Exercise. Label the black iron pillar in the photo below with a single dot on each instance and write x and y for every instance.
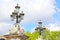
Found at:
(17, 9)
(17, 18)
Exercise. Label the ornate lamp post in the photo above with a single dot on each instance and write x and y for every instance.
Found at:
(16, 15)
(40, 28)
(16, 33)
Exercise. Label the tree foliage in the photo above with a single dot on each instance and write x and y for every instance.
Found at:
(32, 36)
(46, 35)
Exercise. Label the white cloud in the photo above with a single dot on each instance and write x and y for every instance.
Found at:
(34, 9)
(40, 9)
(58, 10)
(53, 27)
(4, 28)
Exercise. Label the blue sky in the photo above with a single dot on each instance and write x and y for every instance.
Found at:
(46, 10)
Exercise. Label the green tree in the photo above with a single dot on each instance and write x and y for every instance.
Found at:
(46, 35)
(32, 36)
